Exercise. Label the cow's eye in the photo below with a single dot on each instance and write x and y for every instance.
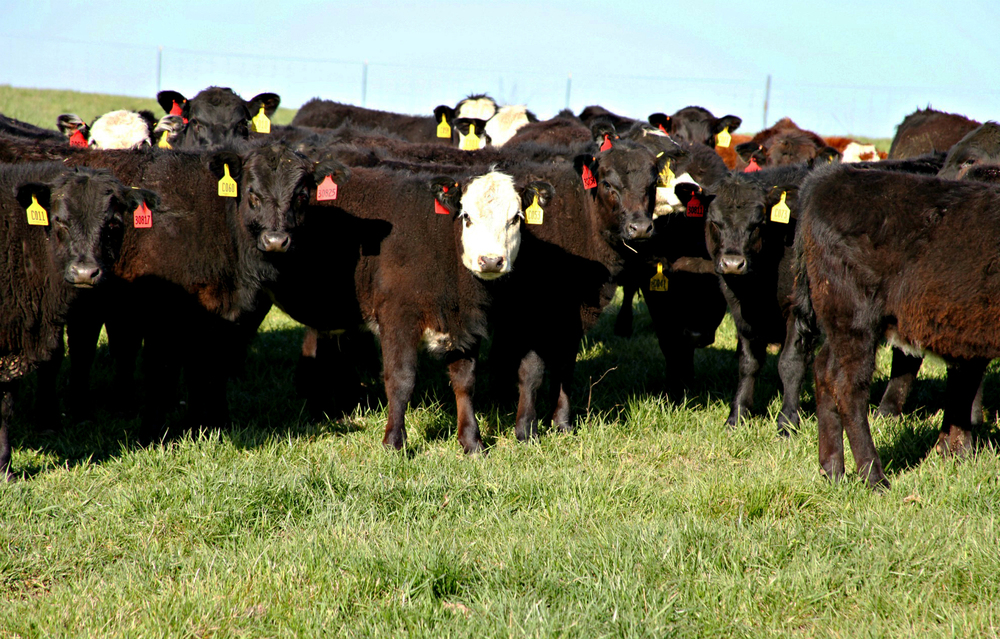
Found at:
(253, 200)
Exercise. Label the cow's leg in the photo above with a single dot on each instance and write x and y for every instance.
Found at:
(399, 359)
(6, 412)
(751, 358)
(829, 425)
(47, 418)
(792, 366)
(903, 374)
(82, 334)
(964, 382)
(124, 342)
(976, 419)
(529, 378)
(623, 323)
(562, 385)
(161, 367)
(462, 371)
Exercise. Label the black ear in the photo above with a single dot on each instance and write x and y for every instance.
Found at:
(542, 189)
(132, 198)
(791, 198)
(150, 120)
(445, 110)
(746, 150)
(662, 122)
(169, 124)
(826, 155)
(220, 159)
(269, 101)
(601, 128)
(447, 192)
(685, 191)
(730, 122)
(68, 123)
(167, 100)
(42, 193)
(337, 171)
(587, 161)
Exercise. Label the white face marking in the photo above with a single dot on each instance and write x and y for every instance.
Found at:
(666, 200)
(437, 343)
(491, 232)
(857, 152)
(502, 126)
(481, 144)
(119, 130)
(483, 109)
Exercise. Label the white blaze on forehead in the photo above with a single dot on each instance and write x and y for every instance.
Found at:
(119, 130)
(481, 108)
(666, 200)
(857, 152)
(491, 204)
(502, 126)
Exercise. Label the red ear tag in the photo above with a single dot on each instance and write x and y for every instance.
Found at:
(694, 207)
(607, 142)
(142, 218)
(77, 139)
(439, 208)
(662, 128)
(589, 181)
(175, 109)
(327, 190)
(753, 167)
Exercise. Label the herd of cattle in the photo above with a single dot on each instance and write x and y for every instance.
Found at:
(179, 234)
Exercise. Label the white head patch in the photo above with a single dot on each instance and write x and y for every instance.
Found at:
(491, 235)
(666, 200)
(502, 126)
(119, 130)
(467, 144)
(857, 152)
(483, 108)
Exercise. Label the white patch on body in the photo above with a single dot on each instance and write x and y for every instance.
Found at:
(482, 108)
(913, 350)
(857, 152)
(667, 201)
(438, 343)
(492, 206)
(502, 126)
(119, 130)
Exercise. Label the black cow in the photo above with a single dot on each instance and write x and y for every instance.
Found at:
(59, 229)
(215, 116)
(325, 114)
(928, 131)
(695, 124)
(23, 130)
(914, 267)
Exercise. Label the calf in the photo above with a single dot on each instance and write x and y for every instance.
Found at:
(60, 229)
(697, 124)
(216, 116)
(910, 268)
(115, 130)
(928, 131)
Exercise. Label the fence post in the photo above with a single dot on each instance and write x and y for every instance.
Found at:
(569, 84)
(767, 99)
(364, 83)
(159, 67)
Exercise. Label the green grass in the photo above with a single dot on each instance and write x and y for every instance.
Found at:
(41, 107)
(652, 520)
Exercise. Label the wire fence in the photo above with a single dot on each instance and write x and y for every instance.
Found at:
(143, 69)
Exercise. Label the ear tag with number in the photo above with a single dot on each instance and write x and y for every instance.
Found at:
(667, 176)
(694, 207)
(227, 185)
(534, 213)
(607, 142)
(444, 129)
(723, 139)
(438, 207)
(164, 143)
(261, 123)
(176, 108)
(753, 167)
(327, 190)
(658, 283)
(589, 181)
(471, 141)
(142, 217)
(37, 215)
(77, 139)
(780, 211)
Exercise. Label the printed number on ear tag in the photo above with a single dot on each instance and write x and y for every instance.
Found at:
(142, 217)
(37, 215)
(327, 190)
(658, 283)
(589, 181)
(780, 211)
(534, 213)
(667, 176)
(227, 185)
(261, 123)
(723, 138)
(444, 130)
(471, 141)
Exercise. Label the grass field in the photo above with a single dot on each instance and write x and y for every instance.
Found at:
(652, 520)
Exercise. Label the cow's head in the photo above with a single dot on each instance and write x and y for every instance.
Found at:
(979, 146)
(86, 210)
(216, 115)
(625, 189)
(479, 106)
(114, 130)
(470, 134)
(490, 209)
(696, 124)
(673, 160)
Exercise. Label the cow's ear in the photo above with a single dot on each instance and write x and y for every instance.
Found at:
(41, 192)
(220, 159)
(446, 111)
(686, 190)
(730, 122)
(602, 129)
(826, 155)
(168, 125)
(585, 161)
(746, 150)
(662, 122)
(447, 192)
(269, 101)
(791, 198)
(132, 198)
(543, 190)
(337, 171)
(70, 123)
(167, 100)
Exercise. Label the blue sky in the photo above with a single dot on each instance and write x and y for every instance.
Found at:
(839, 68)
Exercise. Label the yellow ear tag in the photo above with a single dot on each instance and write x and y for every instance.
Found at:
(723, 139)
(261, 123)
(658, 282)
(667, 176)
(227, 185)
(780, 211)
(37, 216)
(163, 144)
(444, 130)
(534, 213)
(471, 141)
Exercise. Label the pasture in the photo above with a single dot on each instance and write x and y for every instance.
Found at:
(651, 520)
